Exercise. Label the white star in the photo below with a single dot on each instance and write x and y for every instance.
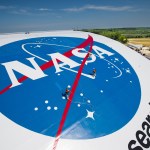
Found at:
(128, 71)
(116, 59)
(88, 101)
(48, 108)
(112, 66)
(79, 105)
(46, 101)
(63, 97)
(101, 91)
(69, 86)
(36, 108)
(55, 108)
(38, 46)
(81, 94)
(90, 114)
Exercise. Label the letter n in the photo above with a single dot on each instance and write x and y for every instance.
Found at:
(32, 73)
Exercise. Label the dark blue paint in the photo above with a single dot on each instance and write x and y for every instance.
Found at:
(114, 108)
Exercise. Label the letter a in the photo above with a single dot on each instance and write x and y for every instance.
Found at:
(101, 52)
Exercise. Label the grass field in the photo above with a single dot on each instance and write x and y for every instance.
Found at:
(143, 41)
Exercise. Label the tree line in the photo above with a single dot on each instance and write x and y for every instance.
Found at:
(122, 34)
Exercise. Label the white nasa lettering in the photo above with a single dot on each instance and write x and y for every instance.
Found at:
(31, 73)
(66, 60)
(36, 72)
(98, 49)
(77, 52)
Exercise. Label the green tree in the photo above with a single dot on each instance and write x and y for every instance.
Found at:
(123, 39)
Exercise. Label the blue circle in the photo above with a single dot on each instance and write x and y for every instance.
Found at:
(101, 105)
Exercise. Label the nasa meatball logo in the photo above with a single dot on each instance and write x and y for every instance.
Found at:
(81, 86)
